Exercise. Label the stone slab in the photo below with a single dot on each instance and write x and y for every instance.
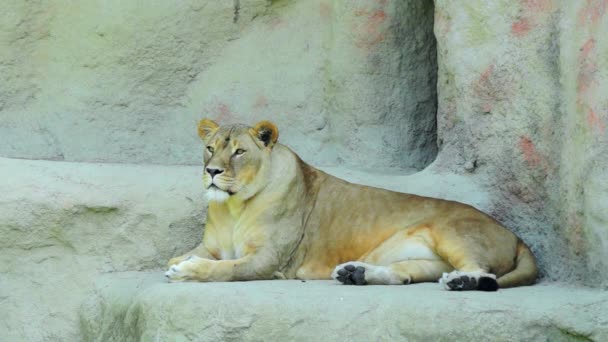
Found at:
(142, 306)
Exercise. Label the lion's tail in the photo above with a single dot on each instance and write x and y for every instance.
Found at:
(525, 271)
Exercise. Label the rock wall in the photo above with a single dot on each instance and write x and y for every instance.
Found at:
(348, 82)
(523, 108)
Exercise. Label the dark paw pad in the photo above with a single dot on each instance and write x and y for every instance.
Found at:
(463, 283)
(351, 275)
(487, 284)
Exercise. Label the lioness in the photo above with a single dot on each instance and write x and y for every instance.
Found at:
(271, 215)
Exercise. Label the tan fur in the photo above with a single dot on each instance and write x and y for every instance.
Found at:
(286, 218)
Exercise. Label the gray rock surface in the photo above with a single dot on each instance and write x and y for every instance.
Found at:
(523, 107)
(142, 307)
(521, 127)
(62, 224)
(348, 82)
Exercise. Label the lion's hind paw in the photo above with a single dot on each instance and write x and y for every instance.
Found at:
(350, 274)
(467, 281)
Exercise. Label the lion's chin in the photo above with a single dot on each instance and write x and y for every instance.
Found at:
(215, 194)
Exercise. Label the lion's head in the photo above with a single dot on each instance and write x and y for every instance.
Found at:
(236, 158)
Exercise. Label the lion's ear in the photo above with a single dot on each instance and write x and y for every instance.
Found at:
(266, 132)
(206, 127)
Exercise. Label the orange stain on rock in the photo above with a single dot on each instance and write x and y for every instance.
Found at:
(487, 107)
(373, 26)
(592, 12)
(482, 83)
(377, 17)
(586, 49)
(531, 10)
(371, 31)
(537, 5)
(531, 155)
(521, 27)
(586, 83)
(588, 69)
(325, 10)
(487, 90)
(224, 113)
(586, 77)
(485, 75)
(595, 121)
(260, 102)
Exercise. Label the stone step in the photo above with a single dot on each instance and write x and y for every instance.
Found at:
(142, 306)
(63, 223)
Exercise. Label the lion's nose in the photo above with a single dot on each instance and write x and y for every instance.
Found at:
(214, 172)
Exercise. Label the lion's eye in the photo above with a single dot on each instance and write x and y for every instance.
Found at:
(239, 152)
(210, 149)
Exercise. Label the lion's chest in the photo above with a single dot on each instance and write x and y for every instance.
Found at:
(227, 242)
(231, 233)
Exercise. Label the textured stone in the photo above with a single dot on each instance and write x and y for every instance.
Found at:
(348, 82)
(523, 92)
(142, 307)
(62, 224)
(522, 95)
(595, 224)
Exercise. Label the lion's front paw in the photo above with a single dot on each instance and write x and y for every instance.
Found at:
(177, 260)
(173, 261)
(182, 271)
(175, 274)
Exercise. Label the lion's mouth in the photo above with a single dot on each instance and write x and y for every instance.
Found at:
(213, 186)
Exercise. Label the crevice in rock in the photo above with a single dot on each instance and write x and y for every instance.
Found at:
(237, 9)
(413, 35)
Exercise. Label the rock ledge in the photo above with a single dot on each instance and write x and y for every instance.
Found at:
(142, 306)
